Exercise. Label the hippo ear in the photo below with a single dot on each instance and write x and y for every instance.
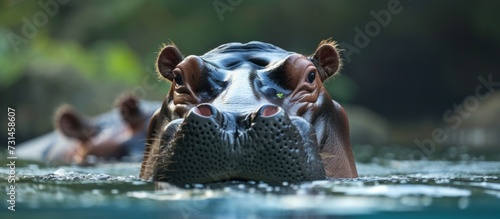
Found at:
(167, 61)
(72, 125)
(327, 59)
(128, 105)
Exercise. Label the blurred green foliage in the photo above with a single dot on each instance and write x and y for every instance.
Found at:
(113, 61)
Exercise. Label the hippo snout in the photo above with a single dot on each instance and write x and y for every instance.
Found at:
(265, 145)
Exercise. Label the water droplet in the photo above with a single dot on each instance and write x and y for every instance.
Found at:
(463, 202)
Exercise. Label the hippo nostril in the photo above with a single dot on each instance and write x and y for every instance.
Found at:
(268, 111)
(205, 110)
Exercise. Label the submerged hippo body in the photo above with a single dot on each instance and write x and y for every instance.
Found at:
(118, 133)
(248, 112)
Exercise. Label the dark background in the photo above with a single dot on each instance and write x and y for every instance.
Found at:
(425, 61)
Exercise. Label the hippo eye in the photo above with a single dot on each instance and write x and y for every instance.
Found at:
(178, 79)
(311, 77)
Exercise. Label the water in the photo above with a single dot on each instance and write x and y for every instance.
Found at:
(388, 189)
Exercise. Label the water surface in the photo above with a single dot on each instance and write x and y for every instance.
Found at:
(389, 189)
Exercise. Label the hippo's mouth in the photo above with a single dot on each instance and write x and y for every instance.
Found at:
(210, 146)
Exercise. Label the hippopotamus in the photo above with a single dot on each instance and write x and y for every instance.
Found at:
(250, 112)
(79, 139)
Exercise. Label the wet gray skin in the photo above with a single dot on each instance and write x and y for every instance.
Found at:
(248, 112)
(219, 146)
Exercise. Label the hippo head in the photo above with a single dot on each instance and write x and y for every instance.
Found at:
(110, 136)
(248, 112)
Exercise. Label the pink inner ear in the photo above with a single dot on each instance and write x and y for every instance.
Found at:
(65, 126)
(71, 125)
(167, 61)
(328, 59)
(129, 107)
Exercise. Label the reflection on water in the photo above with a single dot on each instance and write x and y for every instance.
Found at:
(392, 189)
